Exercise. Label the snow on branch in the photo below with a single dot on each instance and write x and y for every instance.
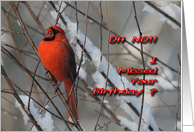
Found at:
(46, 122)
(171, 9)
(95, 58)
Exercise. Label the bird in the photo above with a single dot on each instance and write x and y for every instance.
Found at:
(58, 57)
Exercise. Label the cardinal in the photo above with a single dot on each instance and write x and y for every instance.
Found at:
(57, 56)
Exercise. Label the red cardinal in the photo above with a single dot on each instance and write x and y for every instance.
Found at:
(58, 57)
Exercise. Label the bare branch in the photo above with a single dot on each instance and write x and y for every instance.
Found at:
(141, 52)
(163, 13)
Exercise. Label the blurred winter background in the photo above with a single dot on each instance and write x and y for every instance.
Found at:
(163, 104)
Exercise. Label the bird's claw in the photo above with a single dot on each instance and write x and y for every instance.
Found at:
(46, 72)
(57, 87)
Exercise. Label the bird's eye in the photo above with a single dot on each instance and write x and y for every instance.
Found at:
(56, 31)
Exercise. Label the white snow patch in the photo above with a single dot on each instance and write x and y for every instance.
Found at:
(178, 126)
(171, 9)
(108, 106)
(18, 23)
(82, 73)
(46, 122)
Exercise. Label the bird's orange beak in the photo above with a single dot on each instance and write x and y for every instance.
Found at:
(49, 30)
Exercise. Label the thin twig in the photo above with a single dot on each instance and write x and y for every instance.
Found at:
(32, 86)
(8, 54)
(24, 23)
(178, 93)
(163, 13)
(57, 18)
(40, 11)
(35, 18)
(107, 66)
(14, 48)
(99, 12)
(44, 17)
(81, 59)
(76, 16)
(141, 52)
(11, 32)
(7, 28)
(17, 4)
(10, 102)
(101, 18)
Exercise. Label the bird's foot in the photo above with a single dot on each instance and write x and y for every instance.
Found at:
(47, 71)
(57, 87)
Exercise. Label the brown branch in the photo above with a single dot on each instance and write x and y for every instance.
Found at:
(8, 54)
(44, 17)
(12, 32)
(107, 66)
(76, 16)
(24, 28)
(34, 17)
(81, 59)
(20, 50)
(141, 52)
(40, 11)
(24, 23)
(57, 18)
(32, 86)
(10, 102)
(7, 28)
(163, 13)
(101, 18)
(60, 16)
(178, 93)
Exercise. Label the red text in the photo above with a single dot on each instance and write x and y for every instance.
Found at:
(117, 91)
(137, 71)
(144, 39)
(141, 81)
(116, 39)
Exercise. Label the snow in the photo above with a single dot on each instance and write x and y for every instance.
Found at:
(5, 112)
(108, 106)
(45, 6)
(45, 122)
(171, 9)
(127, 123)
(82, 73)
(178, 126)
(1, 61)
(18, 23)
(15, 117)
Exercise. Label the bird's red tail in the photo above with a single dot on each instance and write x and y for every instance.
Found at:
(72, 102)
